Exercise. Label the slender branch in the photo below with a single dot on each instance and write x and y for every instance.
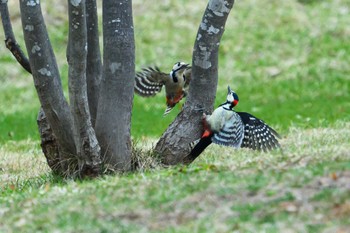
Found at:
(6, 21)
(94, 68)
(174, 143)
(46, 75)
(10, 40)
(85, 137)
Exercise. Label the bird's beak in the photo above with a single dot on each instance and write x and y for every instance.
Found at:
(229, 90)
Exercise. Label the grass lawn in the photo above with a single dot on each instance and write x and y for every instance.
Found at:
(289, 63)
(304, 189)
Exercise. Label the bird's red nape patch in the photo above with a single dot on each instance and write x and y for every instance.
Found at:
(235, 102)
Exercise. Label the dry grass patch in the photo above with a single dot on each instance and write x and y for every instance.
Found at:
(18, 165)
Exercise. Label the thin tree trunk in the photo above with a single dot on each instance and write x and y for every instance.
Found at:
(57, 161)
(117, 85)
(88, 149)
(46, 76)
(187, 127)
(94, 63)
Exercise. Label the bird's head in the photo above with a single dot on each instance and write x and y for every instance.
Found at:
(178, 69)
(232, 97)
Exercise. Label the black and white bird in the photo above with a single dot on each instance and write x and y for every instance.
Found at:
(236, 129)
(150, 81)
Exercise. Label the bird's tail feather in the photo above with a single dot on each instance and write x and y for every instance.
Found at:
(197, 147)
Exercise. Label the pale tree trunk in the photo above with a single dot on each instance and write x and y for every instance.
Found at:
(67, 132)
(68, 136)
(88, 149)
(58, 160)
(173, 146)
(116, 91)
(46, 77)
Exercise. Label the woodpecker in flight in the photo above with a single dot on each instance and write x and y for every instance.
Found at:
(236, 129)
(150, 81)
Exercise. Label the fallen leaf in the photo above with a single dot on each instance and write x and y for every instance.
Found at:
(334, 176)
(290, 207)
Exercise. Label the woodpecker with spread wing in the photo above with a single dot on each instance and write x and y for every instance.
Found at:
(236, 129)
(150, 81)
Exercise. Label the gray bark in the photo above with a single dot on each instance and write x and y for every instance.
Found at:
(10, 39)
(5, 19)
(94, 63)
(116, 91)
(46, 76)
(88, 149)
(173, 146)
(58, 162)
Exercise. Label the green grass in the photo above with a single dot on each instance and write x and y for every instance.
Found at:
(289, 63)
(304, 189)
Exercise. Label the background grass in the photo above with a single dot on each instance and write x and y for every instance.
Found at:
(289, 63)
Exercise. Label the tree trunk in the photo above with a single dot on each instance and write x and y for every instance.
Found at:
(94, 63)
(88, 149)
(173, 146)
(116, 91)
(50, 146)
(46, 76)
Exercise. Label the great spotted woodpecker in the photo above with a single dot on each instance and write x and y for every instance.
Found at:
(237, 129)
(150, 81)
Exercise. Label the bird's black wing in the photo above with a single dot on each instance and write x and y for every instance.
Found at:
(149, 81)
(257, 134)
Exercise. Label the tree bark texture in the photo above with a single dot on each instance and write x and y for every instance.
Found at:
(116, 91)
(94, 63)
(173, 146)
(88, 149)
(46, 76)
(10, 40)
(59, 163)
